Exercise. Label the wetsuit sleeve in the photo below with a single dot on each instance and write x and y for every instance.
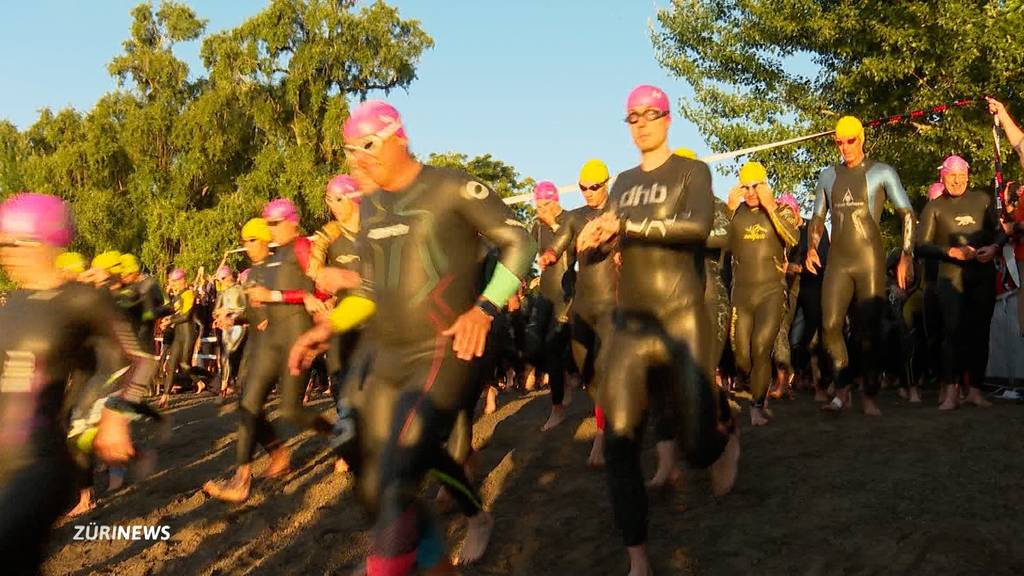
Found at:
(303, 253)
(106, 322)
(817, 225)
(182, 314)
(565, 236)
(785, 225)
(691, 221)
(718, 239)
(319, 246)
(926, 247)
(482, 208)
(901, 202)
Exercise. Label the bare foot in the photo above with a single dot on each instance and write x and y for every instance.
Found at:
(820, 395)
(557, 417)
(974, 396)
(235, 490)
(758, 416)
(639, 565)
(280, 462)
(443, 501)
(727, 467)
(164, 400)
(596, 458)
(915, 395)
(839, 402)
(902, 393)
(478, 535)
(84, 505)
(668, 473)
(871, 407)
(950, 398)
(531, 380)
(340, 466)
(491, 404)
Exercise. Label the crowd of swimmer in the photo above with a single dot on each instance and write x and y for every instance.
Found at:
(417, 298)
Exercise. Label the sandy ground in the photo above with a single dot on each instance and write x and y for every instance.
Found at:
(914, 492)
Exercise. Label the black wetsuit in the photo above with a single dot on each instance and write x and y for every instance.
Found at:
(593, 290)
(142, 302)
(716, 294)
(964, 290)
(179, 356)
(808, 305)
(284, 271)
(419, 249)
(661, 337)
(758, 243)
(856, 272)
(551, 314)
(41, 345)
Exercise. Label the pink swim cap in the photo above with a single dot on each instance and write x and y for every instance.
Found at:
(176, 274)
(373, 117)
(935, 190)
(243, 276)
(545, 190)
(789, 200)
(954, 165)
(37, 217)
(280, 209)
(223, 272)
(344, 186)
(645, 96)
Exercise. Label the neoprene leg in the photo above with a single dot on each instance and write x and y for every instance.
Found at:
(836, 295)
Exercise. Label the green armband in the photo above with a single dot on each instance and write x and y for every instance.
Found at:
(351, 312)
(503, 285)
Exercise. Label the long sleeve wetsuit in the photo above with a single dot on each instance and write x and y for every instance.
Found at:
(551, 315)
(284, 271)
(716, 295)
(661, 336)
(419, 249)
(41, 345)
(809, 305)
(964, 290)
(180, 353)
(856, 272)
(758, 242)
(593, 290)
(142, 302)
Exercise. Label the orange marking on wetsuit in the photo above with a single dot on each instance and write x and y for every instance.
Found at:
(435, 296)
(440, 344)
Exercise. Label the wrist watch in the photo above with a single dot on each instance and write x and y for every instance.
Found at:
(488, 307)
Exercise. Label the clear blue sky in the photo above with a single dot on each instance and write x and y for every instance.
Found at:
(540, 84)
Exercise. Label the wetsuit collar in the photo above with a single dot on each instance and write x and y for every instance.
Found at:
(405, 176)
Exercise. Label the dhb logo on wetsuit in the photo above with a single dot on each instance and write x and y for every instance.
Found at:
(641, 195)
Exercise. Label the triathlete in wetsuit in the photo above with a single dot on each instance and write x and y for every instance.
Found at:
(962, 232)
(286, 295)
(229, 305)
(594, 288)
(141, 299)
(180, 353)
(661, 212)
(855, 192)
(46, 322)
(420, 237)
(334, 266)
(760, 233)
(553, 307)
(256, 241)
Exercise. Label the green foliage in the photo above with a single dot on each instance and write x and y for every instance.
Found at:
(869, 58)
(170, 168)
(501, 177)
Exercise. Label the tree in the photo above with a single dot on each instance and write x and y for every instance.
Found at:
(169, 167)
(870, 59)
(501, 177)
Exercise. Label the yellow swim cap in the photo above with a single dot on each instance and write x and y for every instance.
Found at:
(849, 127)
(256, 229)
(686, 153)
(71, 262)
(752, 173)
(594, 172)
(109, 261)
(129, 264)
